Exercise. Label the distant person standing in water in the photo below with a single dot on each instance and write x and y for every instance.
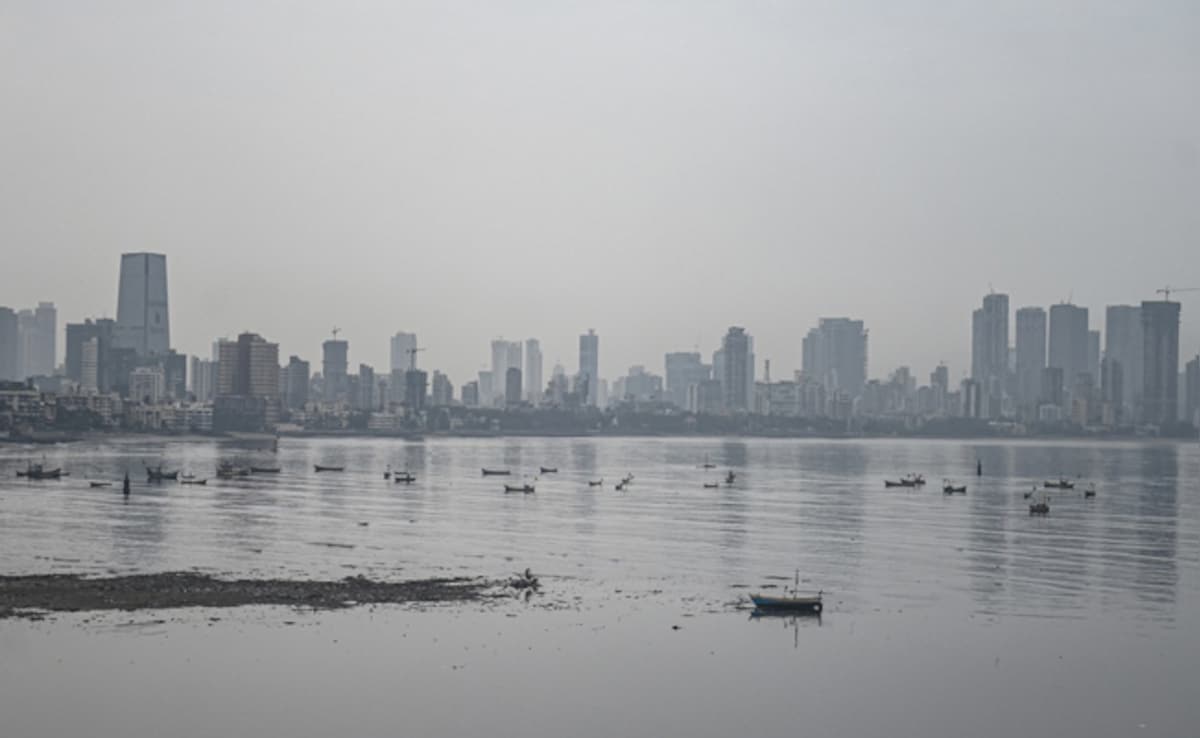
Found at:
(979, 467)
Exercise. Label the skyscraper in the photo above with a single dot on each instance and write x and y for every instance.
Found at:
(533, 371)
(501, 355)
(835, 354)
(334, 369)
(1160, 367)
(737, 381)
(1031, 358)
(512, 386)
(1192, 390)
(1093, 357)
(1068, 348)
(404, 346)
(247, 397)
(989, 350)
(203, 378)
(683, 369)
(38, 353)
(1123, 345)
(9, 343)
(589, 364)
(295, 388)
(142, 314)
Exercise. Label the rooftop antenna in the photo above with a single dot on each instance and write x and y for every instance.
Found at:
(336, 331)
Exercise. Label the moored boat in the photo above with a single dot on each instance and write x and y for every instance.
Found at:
(99, 484)
(1062, 483)
(322, 468)
(526, 488)
(950, 488)
(596, 482)
(264, 470)
(1039, 508)
(887, 483)
(767, 603)
(156, 474)
(495, 472)
(548, 469)
(38, 471)
(194, 481)
(403, 477)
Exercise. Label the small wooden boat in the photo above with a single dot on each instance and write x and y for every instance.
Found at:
(1060, 484)
(730, 477)
(620, 486)
(194, 481)
(712, 485)
(916, 480)
(320, 468)
(549, 469)
(99, 484)
(156, 474)
(403, 477)
(264, 470)
(951, 489)
(496, 472)
(37, 471)
(596, 482)
(1090, 491)
(1029, 494)
(811, 604)
(627, 479)
(1039, 508)
(526, 488)
(708, 464)
(793, 604)
(888, 484)
(227, 470)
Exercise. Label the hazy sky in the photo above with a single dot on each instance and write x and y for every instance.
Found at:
(656, 171)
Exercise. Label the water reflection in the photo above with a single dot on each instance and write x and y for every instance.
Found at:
(819, 506)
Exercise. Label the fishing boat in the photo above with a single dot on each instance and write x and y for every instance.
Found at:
(712, 485)
(1060, 484)
(156, 474)
(99, 484)
(403, 477)
(627, 479)
(707, 464)
(916, 480)
(1039, 508)
(194, 481)
(227, 470)
(1090, 491)
(888, 484)
(264, 470)
(526, 488)
(549, 469)
(320, 468)
(496, 472)
(788, 604)
(794, 603)
(950, 488)
(38, 471)
(730, 477)
(596, 482)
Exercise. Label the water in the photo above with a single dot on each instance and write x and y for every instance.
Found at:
(945, 616)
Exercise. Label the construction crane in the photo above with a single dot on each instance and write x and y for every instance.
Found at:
(1166, 291)
(412, 357)
(336, 331)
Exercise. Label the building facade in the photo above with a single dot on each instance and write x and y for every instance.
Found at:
(1160, 366)
(143, 319)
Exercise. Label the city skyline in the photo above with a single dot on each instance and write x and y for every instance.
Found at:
(1120, 338)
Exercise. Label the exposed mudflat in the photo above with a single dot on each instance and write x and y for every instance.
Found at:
(28, 596)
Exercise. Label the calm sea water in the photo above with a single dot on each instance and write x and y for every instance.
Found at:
(946, 616)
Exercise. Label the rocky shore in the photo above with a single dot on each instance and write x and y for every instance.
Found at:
(33, 595)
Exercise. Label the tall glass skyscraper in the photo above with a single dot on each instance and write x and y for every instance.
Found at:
(142, 317)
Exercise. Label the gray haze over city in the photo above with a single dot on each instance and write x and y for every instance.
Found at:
(658, 173)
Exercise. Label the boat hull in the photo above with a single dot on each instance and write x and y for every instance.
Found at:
(787, 604)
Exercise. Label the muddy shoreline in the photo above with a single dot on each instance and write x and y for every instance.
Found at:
(36, 595)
